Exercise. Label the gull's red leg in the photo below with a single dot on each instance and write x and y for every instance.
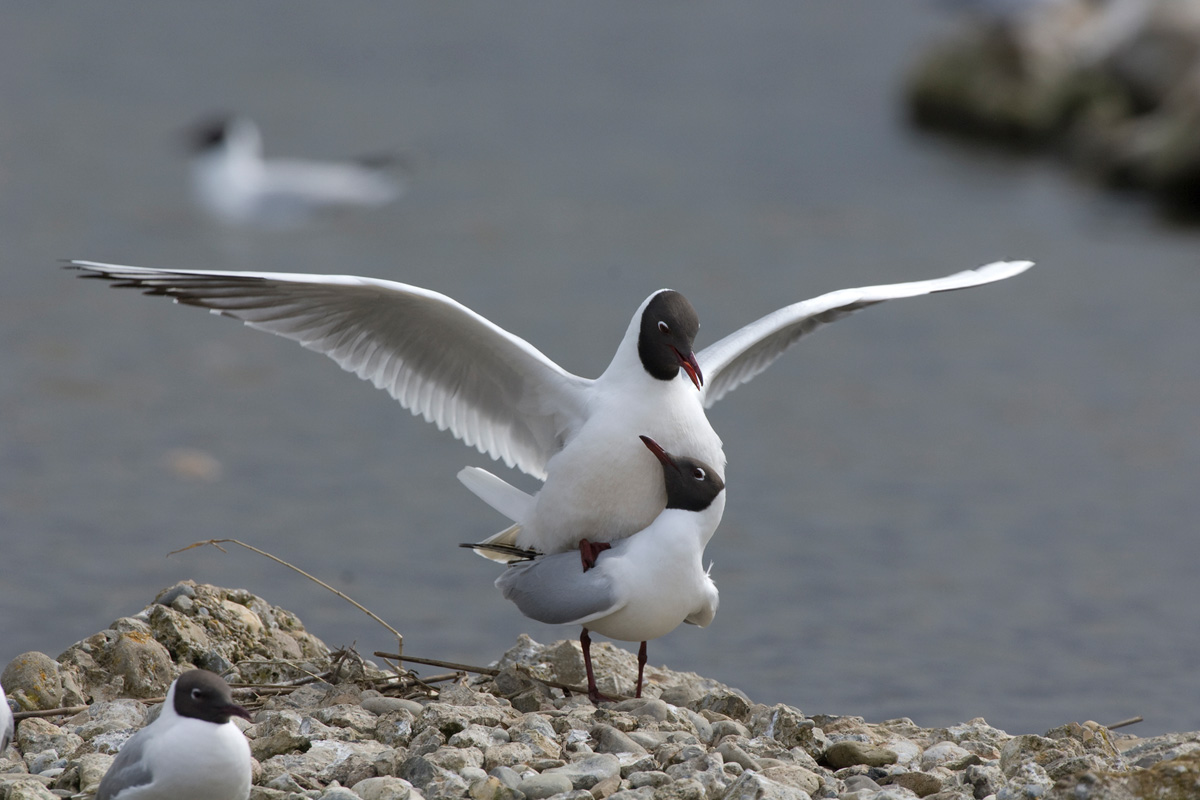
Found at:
(641, 668)
(593, 692)
(588, 551)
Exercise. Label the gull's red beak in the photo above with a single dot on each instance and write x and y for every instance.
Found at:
(659, 453)
(691, 366)
(235, 710)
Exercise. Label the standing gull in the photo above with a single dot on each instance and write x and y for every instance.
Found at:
(498, 393)
(646, 584)
(191, 752)
(234, 183)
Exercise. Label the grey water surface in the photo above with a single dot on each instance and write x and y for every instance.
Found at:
(977, 504)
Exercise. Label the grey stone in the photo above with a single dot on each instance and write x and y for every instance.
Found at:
(338, 793)
(586, 772)
(395, 729)
(506, 775)
(984, 779)
(29, 790)
(509, 754)
(919, 783)
(478, 736)
(354, 717)
(848, 753)
(426, 741)
(267, 793)
(683, 789)
(860, 783)
(114, 715)
(142, 663)
(91, 768)
(648, 778)
(651, 707)
(384, 787)
(36, 735)
(168, 596)
(536, 787)
(651, 740)
(418, 771)
(736, 755)
(728, 727)
(277, 733)
(943, 753)
(455, 759)
(631, 763)
(381, 705)
(726, 702)
(610, 740)
(492, 788)
(753, 786)
(640, 793)
(33, 681)
(680, 695)
(791, 729)
(540, 744)
(705, 769)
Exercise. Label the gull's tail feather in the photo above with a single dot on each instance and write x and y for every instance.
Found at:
(497, 493)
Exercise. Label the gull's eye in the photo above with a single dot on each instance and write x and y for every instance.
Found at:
(197, 694)
(699, 474)
(664, 328)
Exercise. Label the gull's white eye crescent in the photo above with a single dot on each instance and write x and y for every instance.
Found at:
(197, 694)
(699, 474)
(664, 328)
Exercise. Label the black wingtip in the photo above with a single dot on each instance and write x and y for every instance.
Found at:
(520, 553)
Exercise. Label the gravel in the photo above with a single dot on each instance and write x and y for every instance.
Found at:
(362, 733)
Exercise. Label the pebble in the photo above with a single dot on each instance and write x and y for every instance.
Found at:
(547, 784)
(689, 738)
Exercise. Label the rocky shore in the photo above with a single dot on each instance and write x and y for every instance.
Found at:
(1112, 85)
(333, 725)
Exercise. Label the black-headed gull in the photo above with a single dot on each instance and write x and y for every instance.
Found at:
(498, 393)
(191, 752)
(234, 183)
(7, 726)
(641, 587)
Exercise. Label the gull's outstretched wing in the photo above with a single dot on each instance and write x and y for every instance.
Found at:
(490, 388)
(741, 355)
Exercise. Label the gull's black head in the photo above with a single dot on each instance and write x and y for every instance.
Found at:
(201, 694)
(692, 485)
(669, 325)
(209, 134)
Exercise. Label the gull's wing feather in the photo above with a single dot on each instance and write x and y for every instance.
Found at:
(740, 356)
(130, 769)
(441, 360)
(554, 589)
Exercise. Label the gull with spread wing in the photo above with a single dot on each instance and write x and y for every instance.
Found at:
(500, 394)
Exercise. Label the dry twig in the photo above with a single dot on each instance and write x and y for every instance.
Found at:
(433, 662)
(218, 542)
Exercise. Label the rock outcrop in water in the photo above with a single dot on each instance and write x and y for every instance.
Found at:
(1114, 85)
(331, 725)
